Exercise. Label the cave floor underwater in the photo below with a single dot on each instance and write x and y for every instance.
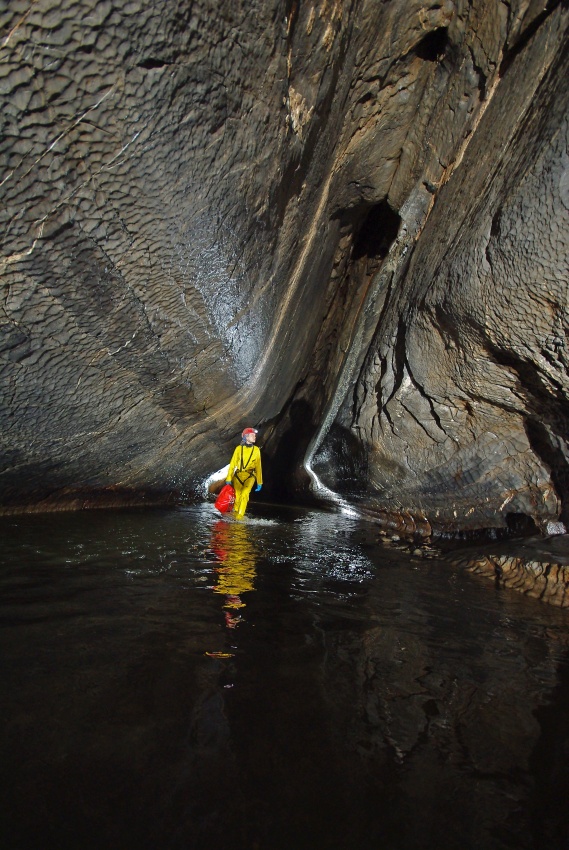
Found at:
(173, 680)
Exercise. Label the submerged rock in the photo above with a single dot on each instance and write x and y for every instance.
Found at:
(538, 568)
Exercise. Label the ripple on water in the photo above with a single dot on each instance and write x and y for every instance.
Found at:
(174, 680)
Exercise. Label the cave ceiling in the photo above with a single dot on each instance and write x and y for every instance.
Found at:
(342, 222)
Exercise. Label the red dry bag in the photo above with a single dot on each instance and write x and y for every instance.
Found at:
(226, 499)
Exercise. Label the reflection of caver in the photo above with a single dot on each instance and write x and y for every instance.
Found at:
(245, 470)
(236, 573)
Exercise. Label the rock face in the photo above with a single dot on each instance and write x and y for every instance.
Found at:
(343, 222)
(464, 390)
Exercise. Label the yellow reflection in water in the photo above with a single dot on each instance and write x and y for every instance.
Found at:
(232, 545)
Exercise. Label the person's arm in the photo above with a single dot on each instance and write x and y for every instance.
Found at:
(259, 472)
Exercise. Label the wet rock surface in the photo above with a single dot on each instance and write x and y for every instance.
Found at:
(462, 397)
(320, 218)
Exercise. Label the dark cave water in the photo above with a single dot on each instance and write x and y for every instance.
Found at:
(173, 680)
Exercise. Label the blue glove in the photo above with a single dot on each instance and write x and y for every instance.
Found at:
(258, 487)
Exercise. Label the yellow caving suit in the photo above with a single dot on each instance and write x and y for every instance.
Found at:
(244, 470)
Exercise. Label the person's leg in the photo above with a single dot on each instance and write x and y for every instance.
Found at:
(238, 487)
(245, 492)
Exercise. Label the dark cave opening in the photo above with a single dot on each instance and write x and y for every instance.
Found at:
(433, 46)
(521, 525)
(376, 233)
(284, 466)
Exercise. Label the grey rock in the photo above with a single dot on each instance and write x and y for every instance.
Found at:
(345, 224)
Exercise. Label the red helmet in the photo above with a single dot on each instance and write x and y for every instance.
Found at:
(249, 431)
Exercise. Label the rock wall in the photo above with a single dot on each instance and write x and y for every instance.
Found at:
(153, 236)
(462, 399)
(290, 215)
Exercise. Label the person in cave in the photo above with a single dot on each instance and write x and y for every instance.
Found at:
(245, 471)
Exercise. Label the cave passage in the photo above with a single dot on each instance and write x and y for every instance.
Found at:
(174, 680)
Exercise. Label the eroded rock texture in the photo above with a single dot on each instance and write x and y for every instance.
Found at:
(296, 215)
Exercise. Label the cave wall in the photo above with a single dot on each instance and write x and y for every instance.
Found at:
(462, 400)
(225, 214)
(150, 154)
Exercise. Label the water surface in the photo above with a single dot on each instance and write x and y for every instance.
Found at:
(173, 680)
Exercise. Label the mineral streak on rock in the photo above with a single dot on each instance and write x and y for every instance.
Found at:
(287, 214)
